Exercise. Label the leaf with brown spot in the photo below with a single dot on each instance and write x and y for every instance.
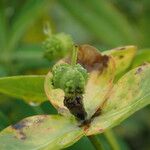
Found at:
(123, 57)
(90, 58)
(101, 74)
(131, 93)
(41, 132)
(98, 87)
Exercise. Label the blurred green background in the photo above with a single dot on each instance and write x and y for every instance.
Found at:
(103, 23)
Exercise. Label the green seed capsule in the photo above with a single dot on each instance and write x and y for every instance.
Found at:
(57, 46)
(71, 79)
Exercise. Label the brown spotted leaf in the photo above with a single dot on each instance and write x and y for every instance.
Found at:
(91, 59)
(123, 57)
(131, 93)
(43, 132)
(101, 70)
(97, 88)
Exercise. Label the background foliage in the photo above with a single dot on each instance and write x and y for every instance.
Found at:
(105, 24)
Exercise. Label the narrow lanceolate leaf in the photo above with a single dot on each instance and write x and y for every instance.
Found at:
(2, 26)
(29, 88)
(98, 26)
(26, 16)
(43, 132)
(131, 93)
(123, 57)
(108, 11)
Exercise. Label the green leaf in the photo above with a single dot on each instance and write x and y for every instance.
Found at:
(3, 26)
(130, 94)
(43, 132)
(29, 88)
(28, 14)
(141, 57)
(25, 54)
(98, 26)
(3, 120)
(82, 144)
(123, 57)
(106, 10)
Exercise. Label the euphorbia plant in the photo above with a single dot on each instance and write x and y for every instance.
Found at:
(85, 89)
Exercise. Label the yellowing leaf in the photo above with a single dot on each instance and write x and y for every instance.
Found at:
(131, 93)
(41, 132)
(101, 74)
(123, 57)
(97, 88)
(56, 96)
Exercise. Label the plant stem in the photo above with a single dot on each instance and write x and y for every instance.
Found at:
(112, 139)
(74, 55)
(95, 141)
